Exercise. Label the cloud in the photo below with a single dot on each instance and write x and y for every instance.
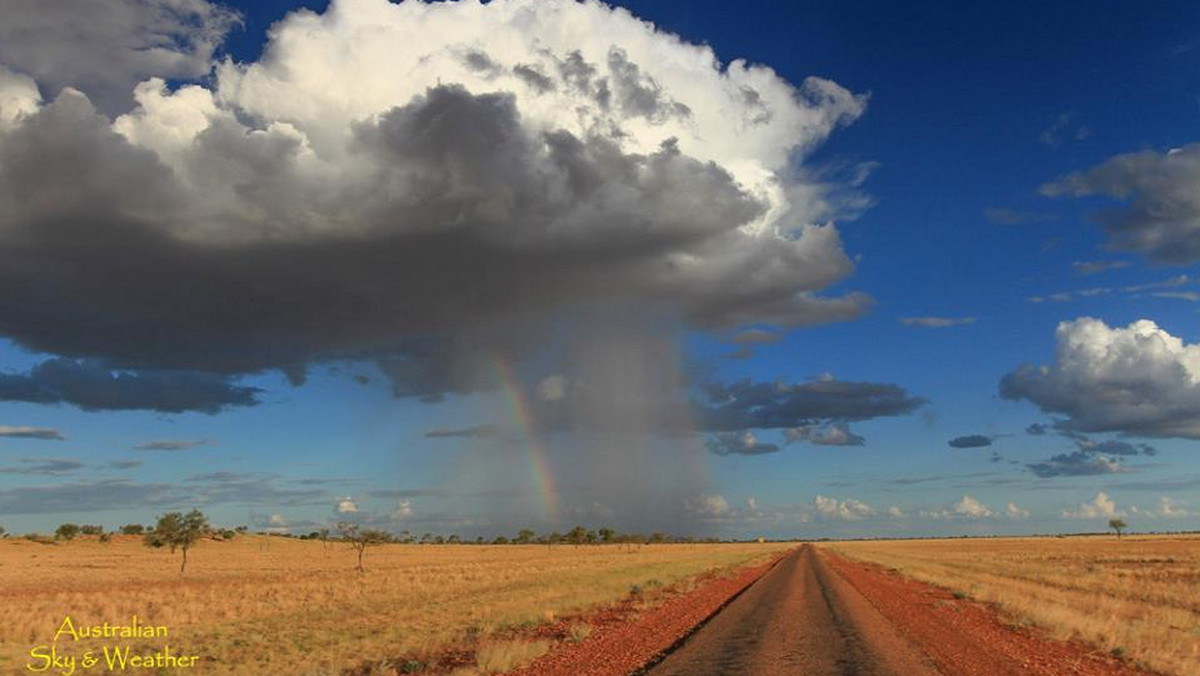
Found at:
(1114, 447)
(1002, 216)
(739, 443)
(87, 496)
(965, 508)
(125, 464)
(1037, 429)
(345, 505)
(842, 510)
(93, 387)
(970, 441)
(403, 510)
(1012, 511)
(1096, 267)
(816, 411)
(707, 506)
(22, 432)
(1160, 194)
(477, 431)
(1078, 463)
(1168, 508)
(895, 512)
(1178, 484)
(834, 434)
(936, 322)
(1067, 296)
(1065, 128)
(1191, 296)
(1101, 507)
(745, 404)
(104, 47)
(113, 494)
(1178, 280)
(49, 466)
(168, 445)
(417, 217)
(1138, 380)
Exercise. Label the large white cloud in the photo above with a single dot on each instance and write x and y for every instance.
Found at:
(1161, 192)
(1139, 380)
(415, 181)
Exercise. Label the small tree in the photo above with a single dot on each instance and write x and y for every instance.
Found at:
(1117, 525)
(607, 535)
(525, 536)
(91, 529)
(133, 529)
(577, 535)
(177, 530)
(67, 531)
(3, 533)
(359, 540)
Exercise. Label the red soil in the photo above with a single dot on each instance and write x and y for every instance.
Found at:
(967, 637)
(623, 641)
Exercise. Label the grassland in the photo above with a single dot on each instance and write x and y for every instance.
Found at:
(263, 605)
(1138, 596)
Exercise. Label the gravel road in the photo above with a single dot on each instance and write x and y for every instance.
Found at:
(801, 618)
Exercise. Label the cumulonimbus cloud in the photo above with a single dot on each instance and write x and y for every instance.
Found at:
(323, 203)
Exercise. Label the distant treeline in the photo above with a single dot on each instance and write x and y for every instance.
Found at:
(579, 535)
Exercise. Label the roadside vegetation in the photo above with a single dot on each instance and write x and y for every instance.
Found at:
(1137, 597)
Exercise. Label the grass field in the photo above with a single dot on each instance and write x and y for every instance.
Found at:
(1138, 597)
(264, 605)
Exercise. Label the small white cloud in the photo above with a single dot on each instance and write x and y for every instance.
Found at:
(895, 512)
(845, 510)
(965, 508)
(1100, 507)
(277, 520)
(1012, 511)
(552, 388)
(1168, 508)
(707, 506)
(403, 510)
(346, 506)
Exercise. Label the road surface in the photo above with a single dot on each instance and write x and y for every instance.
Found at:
(800, 618)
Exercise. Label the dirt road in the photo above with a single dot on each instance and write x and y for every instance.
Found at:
(801, 618)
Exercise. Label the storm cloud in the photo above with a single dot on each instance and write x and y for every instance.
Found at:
(92, 387)
(320, 205)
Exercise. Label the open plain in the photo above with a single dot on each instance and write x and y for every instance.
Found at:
(269, 605)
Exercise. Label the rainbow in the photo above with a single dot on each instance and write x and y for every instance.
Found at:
(539, 465)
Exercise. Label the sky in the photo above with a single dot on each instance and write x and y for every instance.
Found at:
(783, 269)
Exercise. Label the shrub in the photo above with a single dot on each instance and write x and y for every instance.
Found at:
(67, 531)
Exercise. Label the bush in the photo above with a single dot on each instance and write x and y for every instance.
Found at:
(91, 529)
(67, 531)
(133, 529)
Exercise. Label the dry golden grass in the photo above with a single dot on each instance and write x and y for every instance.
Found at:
(1139, 596)
(262, 605)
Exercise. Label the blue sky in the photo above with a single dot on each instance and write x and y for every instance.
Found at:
(1011, 185)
